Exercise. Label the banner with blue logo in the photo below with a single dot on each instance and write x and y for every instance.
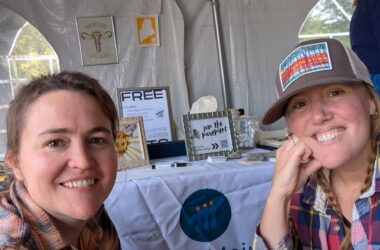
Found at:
(214, 209)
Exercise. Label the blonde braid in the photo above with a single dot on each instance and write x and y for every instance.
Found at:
(326, 188)
(370, 170)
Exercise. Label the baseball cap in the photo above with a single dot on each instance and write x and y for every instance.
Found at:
(313, 63)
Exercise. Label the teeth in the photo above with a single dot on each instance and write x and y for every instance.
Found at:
(331, 135)
(79, 184)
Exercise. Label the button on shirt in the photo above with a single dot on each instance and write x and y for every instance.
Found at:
(314, 224)
(24, 225)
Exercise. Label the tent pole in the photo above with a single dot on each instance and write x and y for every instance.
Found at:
(221, 56)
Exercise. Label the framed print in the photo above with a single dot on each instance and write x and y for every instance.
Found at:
(97, 40)
(153, 104)
(130, 143)
(209, 134)
(147, 29)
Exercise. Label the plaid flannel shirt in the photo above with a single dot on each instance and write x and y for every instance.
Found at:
(24, 225)
(314, 225)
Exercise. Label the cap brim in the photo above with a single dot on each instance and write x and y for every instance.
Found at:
(277, 109)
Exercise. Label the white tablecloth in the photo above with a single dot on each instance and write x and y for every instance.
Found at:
(203, 206)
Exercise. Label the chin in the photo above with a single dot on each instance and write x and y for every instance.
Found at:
(82, 216)
(84, 213)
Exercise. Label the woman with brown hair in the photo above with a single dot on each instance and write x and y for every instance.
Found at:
(325, 191)
(61, 131)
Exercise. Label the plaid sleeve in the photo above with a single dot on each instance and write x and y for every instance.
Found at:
(289, 242)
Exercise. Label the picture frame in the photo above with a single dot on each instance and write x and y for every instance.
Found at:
(97, 40)
(130, 143)
(147, 30)
(153, 104)
(209, 134)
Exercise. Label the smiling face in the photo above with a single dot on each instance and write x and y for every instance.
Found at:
(334, 121)
(67, 159)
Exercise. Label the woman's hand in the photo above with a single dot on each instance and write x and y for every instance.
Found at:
(294, 165)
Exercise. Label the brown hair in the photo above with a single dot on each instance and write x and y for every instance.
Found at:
(325, 184)
(66, 80)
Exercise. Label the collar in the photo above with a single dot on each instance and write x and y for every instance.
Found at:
(40, 221)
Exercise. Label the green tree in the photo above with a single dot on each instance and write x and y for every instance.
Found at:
(327, 17)
(31, 42)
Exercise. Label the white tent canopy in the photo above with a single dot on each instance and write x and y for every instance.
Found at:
(256, 34)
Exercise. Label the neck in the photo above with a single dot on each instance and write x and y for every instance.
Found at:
(347, 187)
(70, 231)
(352, 178)
(353, 173)
(355, 168)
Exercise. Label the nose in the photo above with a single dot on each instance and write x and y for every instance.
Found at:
(320, 112)
(80, 156)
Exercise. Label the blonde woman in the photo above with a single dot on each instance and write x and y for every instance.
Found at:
(326, 189)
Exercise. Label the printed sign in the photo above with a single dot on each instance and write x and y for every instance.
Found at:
(147, 30)
(154, 106)
(97, 40)
(209, 134)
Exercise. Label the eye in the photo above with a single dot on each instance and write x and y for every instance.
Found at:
(335, 92)
(97, 141)
(297, 104)
(55, 143)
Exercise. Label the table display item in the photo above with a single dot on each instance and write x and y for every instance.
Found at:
(131, 147)
(208, 134)
(245, 128)
(153, 104)
(6, 176)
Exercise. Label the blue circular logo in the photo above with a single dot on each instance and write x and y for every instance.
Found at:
(205, 215)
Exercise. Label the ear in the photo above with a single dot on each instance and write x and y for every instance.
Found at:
(372, 107)
(12, 161)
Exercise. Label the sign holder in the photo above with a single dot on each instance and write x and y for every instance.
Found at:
(153, 104)
(209, 134)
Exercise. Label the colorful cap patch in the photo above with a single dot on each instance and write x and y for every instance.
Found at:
(304, 60)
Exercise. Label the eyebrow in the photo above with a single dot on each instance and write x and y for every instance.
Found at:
(67, 131)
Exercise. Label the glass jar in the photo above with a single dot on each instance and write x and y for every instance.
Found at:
(245, 130)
